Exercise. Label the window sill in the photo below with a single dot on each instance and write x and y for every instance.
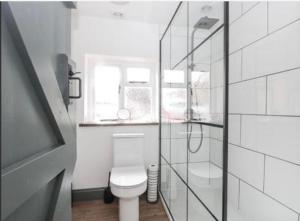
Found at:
(117, 124)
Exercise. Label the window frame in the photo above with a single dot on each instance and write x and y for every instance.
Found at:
(93, 60)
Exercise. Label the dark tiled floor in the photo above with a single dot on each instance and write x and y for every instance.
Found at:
(97, 210)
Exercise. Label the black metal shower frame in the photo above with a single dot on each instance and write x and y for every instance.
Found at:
(225, 25)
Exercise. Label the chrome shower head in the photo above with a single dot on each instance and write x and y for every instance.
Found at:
(205, 23)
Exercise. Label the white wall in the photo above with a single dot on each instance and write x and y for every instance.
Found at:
(264, 122)
(92, 35)
(94, 152)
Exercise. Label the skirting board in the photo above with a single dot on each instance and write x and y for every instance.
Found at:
(88, 194)
(165, 207)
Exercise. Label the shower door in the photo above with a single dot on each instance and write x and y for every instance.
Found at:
(193, 112)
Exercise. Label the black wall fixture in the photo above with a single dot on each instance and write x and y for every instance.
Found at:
(66, 69)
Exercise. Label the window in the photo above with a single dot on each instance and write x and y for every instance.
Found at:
(174, 76)
(174, 96)
(115, 84)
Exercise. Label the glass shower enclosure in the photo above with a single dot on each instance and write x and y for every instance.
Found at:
(193, 112)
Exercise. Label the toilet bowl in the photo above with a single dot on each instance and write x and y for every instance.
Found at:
(128, 183)
(128, 178)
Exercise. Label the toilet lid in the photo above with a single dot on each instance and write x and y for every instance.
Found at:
(128, 176)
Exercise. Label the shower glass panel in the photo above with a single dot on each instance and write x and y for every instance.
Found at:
(192, 113)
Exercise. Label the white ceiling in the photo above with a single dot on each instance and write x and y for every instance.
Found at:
(143, 11)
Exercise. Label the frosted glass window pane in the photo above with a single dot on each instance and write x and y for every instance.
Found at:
(107, 80)
(138, 102)
(138, 75)
(200, 79)
(174, 76)
(174, 103)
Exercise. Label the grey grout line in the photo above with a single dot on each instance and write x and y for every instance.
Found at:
(239, 193)
(265, 36)
(271, 156)
(249, 9)
(242, 52)
(264, 173)
(243, 13)
(267, 18)
(266, 105)
(240, 129)
(265, 194)
(292, 22)
(266, 75)
(263, 154)
(264, 115)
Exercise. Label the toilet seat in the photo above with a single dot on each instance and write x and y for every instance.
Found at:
(128, 181)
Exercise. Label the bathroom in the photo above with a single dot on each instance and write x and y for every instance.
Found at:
(150, 110)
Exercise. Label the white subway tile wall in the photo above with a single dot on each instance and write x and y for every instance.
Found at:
(280, 177)
(283, 93)
(257, 206)
(248, 97)
(234, 129)
(235, 11)
(240, 35)
(277, 136)
(282, 13)
(264, 105)
(216, 152)
(247, 165)
(247, 5)
(235, 66)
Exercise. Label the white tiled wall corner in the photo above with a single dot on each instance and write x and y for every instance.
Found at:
(283, 93)
(165, 130)
(202, 154)
(165, 149)
(216, 152)
(216, 133)
(247, 165)
(273, 135)
(248, 28)
(277, 52)
(179, 130)
(282, 181)
(248, 97)
(282, 13)
(178, 151)
(235, 10)
(247, 5)
(235, 67)
(258, 207)
(216, 100)
(234, 129)
(217, 74)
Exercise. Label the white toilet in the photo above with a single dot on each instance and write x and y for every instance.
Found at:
(128, 178)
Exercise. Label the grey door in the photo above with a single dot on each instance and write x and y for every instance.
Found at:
(37, 135)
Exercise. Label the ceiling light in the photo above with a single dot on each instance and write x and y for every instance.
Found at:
(118, 14)
(206, 8)
(120, 2)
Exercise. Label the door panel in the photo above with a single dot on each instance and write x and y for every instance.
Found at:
(38, 137)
